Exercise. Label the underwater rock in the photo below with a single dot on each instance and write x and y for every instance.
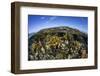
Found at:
(58, 43)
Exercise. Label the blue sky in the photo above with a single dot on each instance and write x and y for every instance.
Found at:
(38, 22)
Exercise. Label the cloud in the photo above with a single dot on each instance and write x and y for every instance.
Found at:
(51, 19)
(42, 18)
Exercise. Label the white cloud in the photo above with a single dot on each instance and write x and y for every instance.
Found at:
(42, 18)
(51, 19)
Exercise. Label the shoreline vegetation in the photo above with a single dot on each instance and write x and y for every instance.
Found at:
(58, 43)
